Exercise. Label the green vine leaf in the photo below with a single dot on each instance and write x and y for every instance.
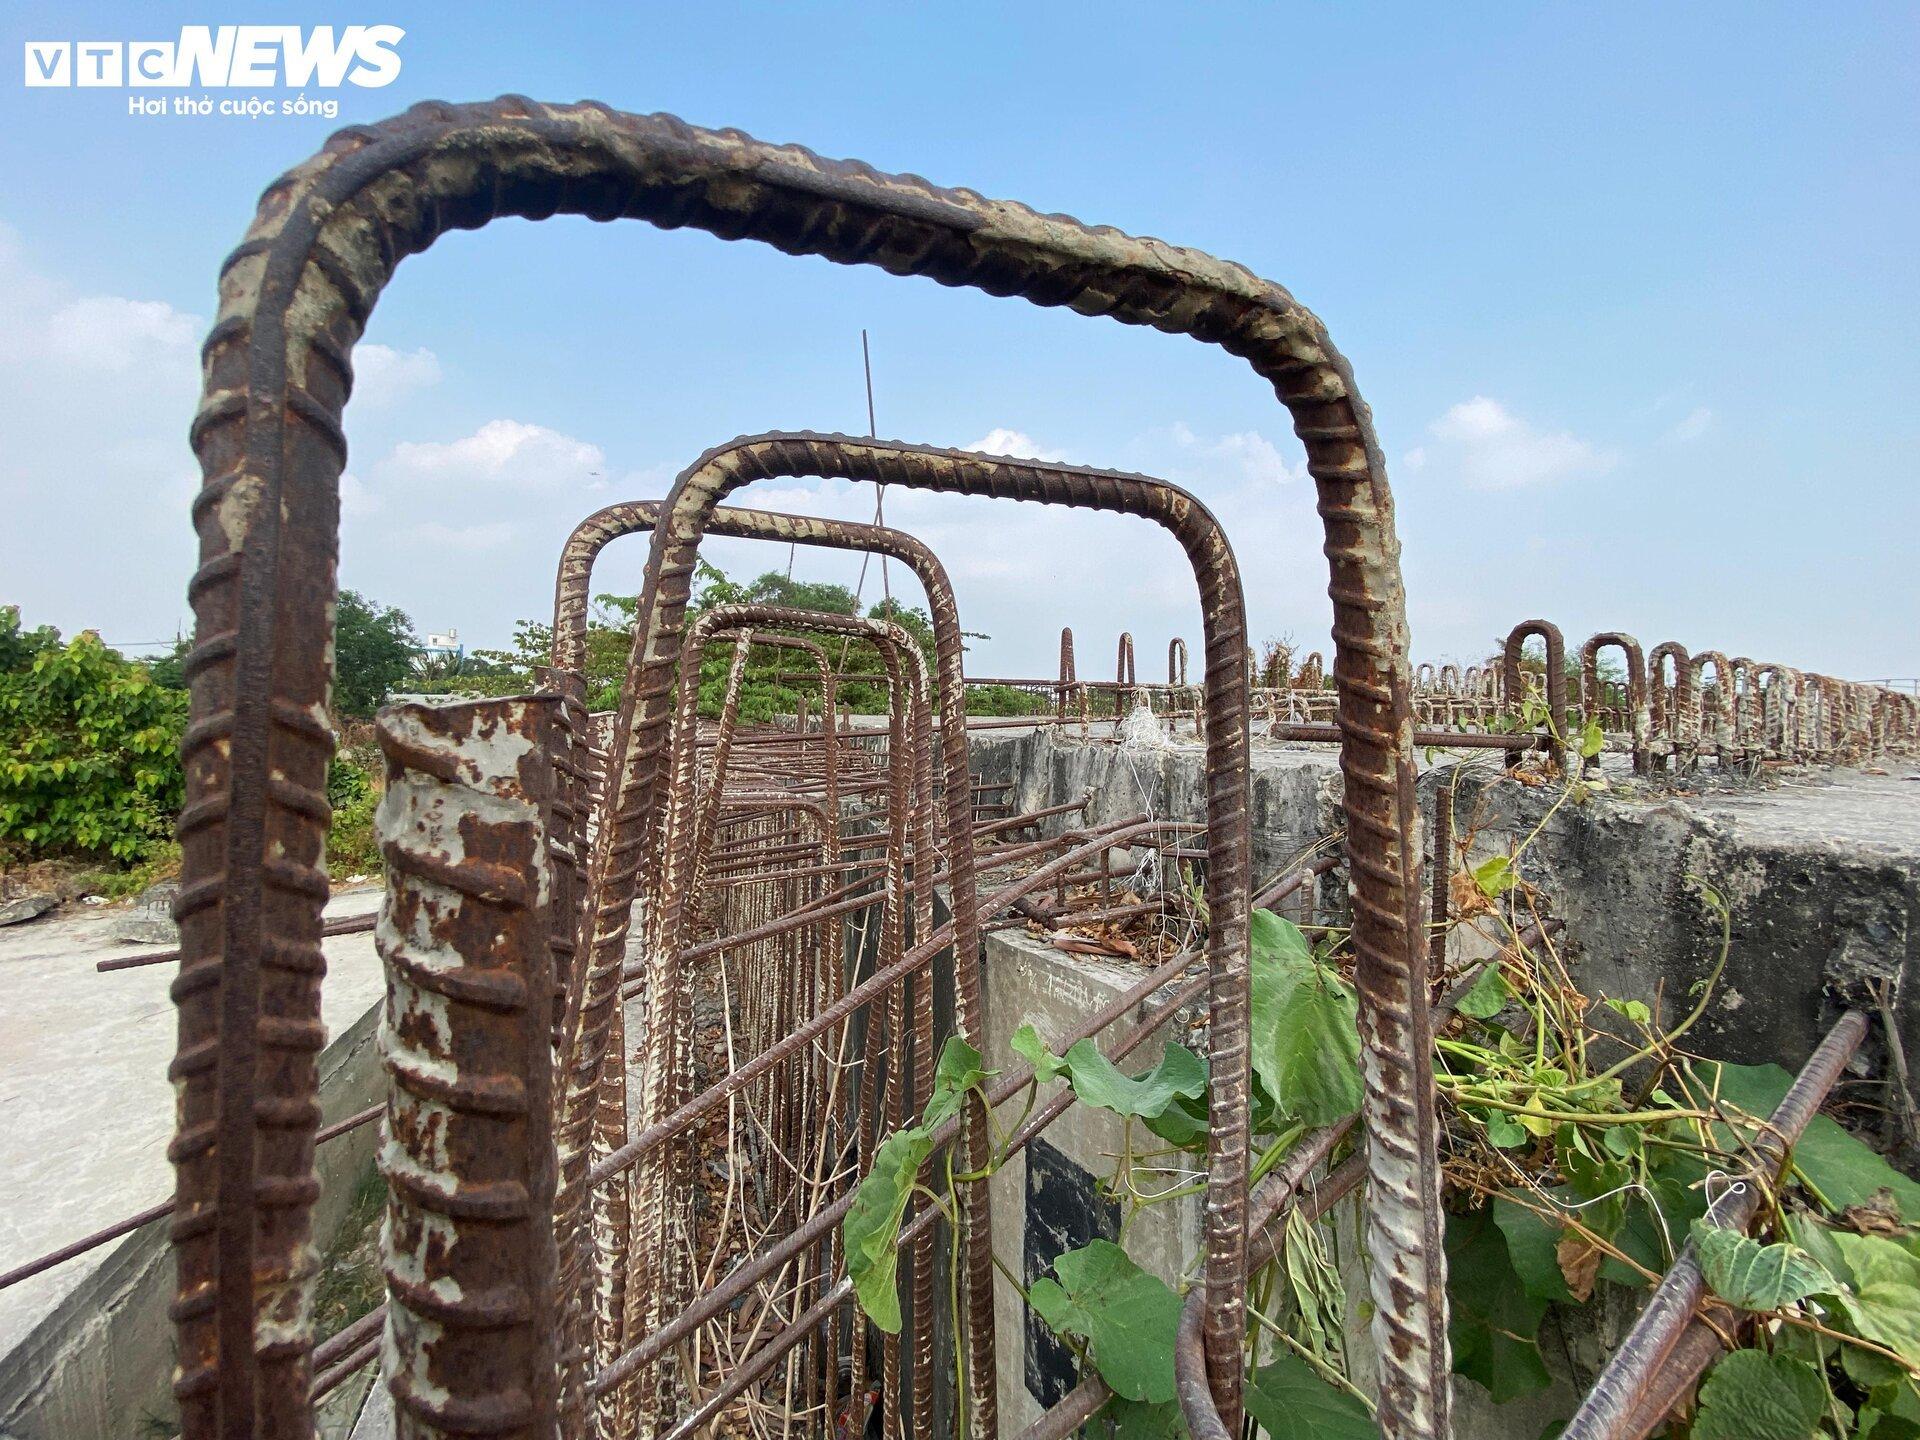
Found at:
(1305, 1033)
(1487, 996)
(1844, 1169)
(1753, 1276)
(1181, 1074)
(1592, 740)
(958, 1071)
(1134, 1421)
(1494, 1321)
(1634, 1010)
(872, 1227)
(1495, 876)
(1272, 937)
(1292, 1402)
(1503, 1131)
(1892, 1412)
(1751, 1395)
(1883, 1303)
(1127, 1317)
(1533, 1243)
(1028, 1045)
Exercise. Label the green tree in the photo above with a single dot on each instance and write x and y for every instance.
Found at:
(373, 649)
(89, 747)
(170, 670)
(774, 588)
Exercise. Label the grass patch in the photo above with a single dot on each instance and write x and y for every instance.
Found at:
(350, 1281)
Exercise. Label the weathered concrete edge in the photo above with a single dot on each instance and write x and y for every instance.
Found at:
(103, 1357)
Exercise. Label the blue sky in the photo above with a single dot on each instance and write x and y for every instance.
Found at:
(1631, 292)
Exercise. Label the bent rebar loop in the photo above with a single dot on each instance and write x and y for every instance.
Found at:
(295, 298)
(631, 517)
(1779, 689)
(1408, 1270)
(1670, 708)
(671, 1061)
(572, 588)
(1514, 678)
(1593, 698)
(1744, 698)
(1126, 677)
(1713, 715)
(1176, 663)
(1825, 715)
(1067, 683)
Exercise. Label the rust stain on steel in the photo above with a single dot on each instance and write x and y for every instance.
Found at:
(910, 465)
(1609, 1408)
(467, 1039)
(701, 487)
(295, 298)
(1713, 724)
(669, 1025)
(573, 587)
(1639, 717)
(1670, 707)
(1515, 678)
(1066, 686)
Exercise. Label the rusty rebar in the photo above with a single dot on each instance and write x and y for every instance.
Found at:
(295, 298)
(468, 1159)
(1608, 1408)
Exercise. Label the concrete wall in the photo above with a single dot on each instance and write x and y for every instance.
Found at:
(1045, 1199)
(1294, 804)
(100, 1365)
(1822, 875)
(1821, 870)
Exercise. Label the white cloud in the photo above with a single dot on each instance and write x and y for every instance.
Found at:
(382, 374)
(1699, 420)
(1017, 443)
(356, 499)
(1416, 458)
(502, 452)
(1244, 455)
(106, 332)
(1491, 448)
(1256, 458)
(99, 390)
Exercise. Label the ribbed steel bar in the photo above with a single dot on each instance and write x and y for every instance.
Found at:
(468, 1246)
(701, 487)
(1554, 679)
(295, 298)
(1608, 1410)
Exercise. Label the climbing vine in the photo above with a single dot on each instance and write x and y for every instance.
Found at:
(1583, 1145)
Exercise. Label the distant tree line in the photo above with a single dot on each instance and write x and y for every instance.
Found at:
(90, 739)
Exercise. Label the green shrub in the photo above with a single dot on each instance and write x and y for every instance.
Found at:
(89, 747)
(354, 792)
(1005, 700)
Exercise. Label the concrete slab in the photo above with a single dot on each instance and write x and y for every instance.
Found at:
(1865, 812)
(85, 1107)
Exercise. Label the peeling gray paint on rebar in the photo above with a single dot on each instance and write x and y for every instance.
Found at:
(467, 1246)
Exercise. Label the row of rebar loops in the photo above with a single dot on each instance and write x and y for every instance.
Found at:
(668, 1068)
(1671, 709)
